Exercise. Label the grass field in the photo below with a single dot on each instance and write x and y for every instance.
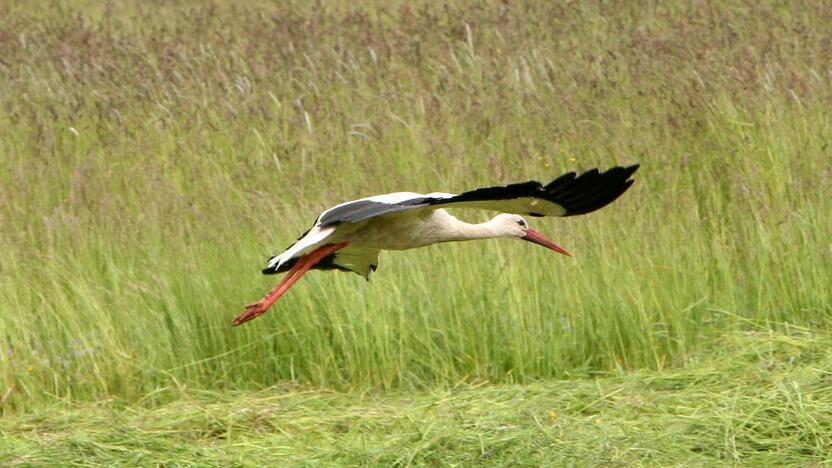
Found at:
(152, 157)
(760, 398)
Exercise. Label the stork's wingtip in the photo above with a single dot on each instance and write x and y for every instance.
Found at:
(624, 172)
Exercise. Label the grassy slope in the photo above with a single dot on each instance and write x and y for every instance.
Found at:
(760, 397)
(152, 157)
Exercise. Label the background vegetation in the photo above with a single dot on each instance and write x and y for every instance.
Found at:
(153, 155)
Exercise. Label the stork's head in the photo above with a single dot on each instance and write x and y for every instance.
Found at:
(512, 225)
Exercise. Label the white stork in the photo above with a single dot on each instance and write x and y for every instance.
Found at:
(349, 236)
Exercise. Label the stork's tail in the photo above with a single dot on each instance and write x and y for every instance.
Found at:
(274, 266)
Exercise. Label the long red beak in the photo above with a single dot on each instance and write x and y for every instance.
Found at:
(537, 238)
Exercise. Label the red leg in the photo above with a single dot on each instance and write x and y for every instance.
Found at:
(302, 266)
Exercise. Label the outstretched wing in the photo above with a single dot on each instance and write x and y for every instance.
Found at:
(361, 260)
(371, 207)
(568, 195)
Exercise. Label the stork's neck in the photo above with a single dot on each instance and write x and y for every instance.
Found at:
(455, 230)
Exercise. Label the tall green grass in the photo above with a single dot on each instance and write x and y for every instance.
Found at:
(152, 158)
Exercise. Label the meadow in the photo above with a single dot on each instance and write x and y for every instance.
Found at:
(154, 155)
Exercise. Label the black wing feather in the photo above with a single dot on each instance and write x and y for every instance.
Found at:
(591, 190)
(577, 194)
(511, 191)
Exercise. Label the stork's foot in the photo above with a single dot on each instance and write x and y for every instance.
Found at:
(252, 311)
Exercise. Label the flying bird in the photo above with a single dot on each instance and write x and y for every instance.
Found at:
(349, 236)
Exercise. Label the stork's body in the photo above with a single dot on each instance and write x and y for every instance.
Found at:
(427, 227)
(350, 236)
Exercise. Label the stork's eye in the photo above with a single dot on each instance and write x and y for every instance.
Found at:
(521, 222)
